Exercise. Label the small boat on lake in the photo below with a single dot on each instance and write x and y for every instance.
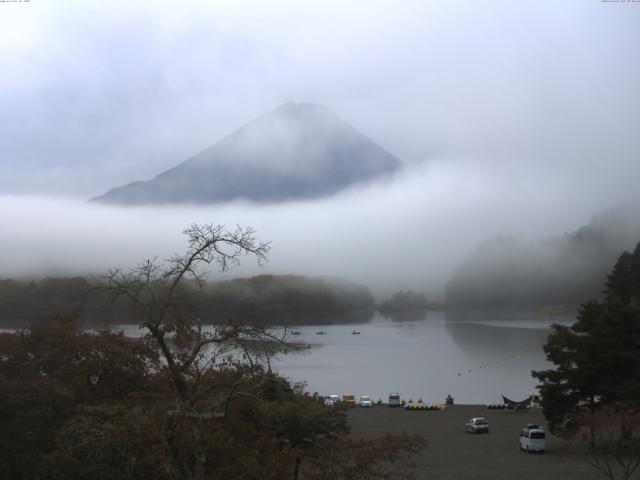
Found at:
(355, 333)
(321, 332)
(295, 332)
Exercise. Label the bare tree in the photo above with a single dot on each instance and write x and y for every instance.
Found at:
(214, 394)
(609, 439)
(164, 293)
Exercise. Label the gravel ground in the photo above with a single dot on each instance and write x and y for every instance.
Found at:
(454, 454)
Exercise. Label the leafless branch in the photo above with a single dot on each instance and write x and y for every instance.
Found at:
(152, 287)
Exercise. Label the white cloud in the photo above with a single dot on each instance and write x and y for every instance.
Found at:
(104, 93)
(526, 111)
(408, 232)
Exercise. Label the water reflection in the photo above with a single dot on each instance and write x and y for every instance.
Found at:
(501, 318)
(490, 341)
(474, 359)
(405, 315)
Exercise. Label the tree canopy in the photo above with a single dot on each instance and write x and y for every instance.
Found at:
(265, 299)
(186, 401)
(597, 359)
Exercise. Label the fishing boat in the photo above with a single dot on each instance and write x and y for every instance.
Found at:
(321, 332)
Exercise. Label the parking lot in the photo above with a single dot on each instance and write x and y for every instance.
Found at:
(454, 454)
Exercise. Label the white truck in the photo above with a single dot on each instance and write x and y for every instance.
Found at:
(394, 399)
(533, 438)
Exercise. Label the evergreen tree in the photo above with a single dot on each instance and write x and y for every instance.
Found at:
(597, 359)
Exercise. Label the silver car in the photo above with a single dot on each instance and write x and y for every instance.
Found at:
(477, 425)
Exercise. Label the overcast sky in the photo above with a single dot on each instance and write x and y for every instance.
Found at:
(514, 118)
(97, 94)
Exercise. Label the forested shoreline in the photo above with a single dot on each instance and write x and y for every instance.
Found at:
(264, 299)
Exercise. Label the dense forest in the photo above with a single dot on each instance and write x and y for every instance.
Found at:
(181, 402)
(561, 271)
(596, 361)
(102, 406)
(265, 299)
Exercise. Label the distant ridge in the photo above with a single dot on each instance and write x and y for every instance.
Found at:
(295, 151)
(547, 274)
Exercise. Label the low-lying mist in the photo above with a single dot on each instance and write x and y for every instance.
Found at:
(554, 274)
(410, 231)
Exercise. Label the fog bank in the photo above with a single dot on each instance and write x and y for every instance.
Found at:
(409, 232)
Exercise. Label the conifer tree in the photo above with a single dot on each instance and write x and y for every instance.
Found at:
(597, 359)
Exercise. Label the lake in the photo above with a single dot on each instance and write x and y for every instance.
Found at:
(475, 358)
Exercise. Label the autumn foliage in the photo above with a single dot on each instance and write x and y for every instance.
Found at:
(187, 400)
(79, 405)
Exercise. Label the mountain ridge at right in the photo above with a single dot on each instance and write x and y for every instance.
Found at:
(562, 271)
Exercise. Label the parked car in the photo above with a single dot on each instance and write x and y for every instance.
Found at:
(533, 438)
(332, 400)
(365, 401)
(394, 399)
(349, 400)
(477, 425)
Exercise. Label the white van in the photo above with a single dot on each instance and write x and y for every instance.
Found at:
(532, 438)
(394, 399)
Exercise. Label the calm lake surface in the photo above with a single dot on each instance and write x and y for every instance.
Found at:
(475, 358)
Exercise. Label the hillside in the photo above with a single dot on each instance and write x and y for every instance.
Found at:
(297, 150)
(560, 271)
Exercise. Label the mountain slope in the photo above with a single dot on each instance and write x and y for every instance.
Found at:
(560, 271)
(297, 150)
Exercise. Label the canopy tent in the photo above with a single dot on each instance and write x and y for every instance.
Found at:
(526, 403)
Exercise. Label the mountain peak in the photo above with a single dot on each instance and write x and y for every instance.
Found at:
(300, 106)
(296, 150)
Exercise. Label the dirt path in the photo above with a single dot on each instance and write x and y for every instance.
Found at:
(454, 454)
